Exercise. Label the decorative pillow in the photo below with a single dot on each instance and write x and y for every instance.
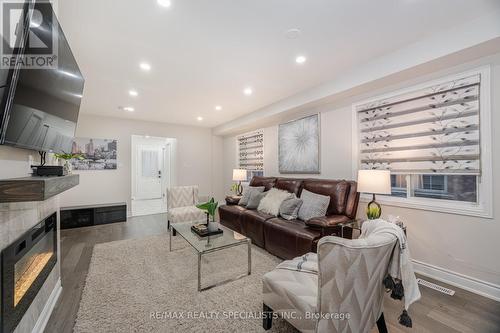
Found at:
(289, 209)
(255, 199)
(313, 205)
(271, 203)
(247, 191)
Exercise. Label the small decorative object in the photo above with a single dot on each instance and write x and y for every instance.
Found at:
(239, 175)
(210, 208)
(374, 182)
(298, 143)
(98, 154)
(65, 161)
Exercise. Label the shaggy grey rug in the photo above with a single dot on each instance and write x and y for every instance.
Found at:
(139, 286)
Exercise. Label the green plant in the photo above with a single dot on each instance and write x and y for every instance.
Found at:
(210, 207)
(373, 212)
(234, 188)
(68, 156)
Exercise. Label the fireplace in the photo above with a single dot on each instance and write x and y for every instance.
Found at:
(26, 264)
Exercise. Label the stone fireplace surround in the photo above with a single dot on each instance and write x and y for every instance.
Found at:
(15, 220)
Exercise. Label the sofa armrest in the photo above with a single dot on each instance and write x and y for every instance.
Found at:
(327, 221)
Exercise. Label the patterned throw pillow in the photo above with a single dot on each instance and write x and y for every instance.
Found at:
(247, 191)
(313, 205)
(272, 201)
(289, 209)
(255, 199)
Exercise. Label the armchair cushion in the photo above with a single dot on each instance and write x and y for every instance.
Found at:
(182, 196)
(186, 214)
(293, 293)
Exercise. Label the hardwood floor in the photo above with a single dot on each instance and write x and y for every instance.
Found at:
(435, 312)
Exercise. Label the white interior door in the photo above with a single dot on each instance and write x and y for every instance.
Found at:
(149, 178)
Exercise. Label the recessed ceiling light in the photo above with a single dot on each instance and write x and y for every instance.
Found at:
(199, 118)
(300, 59)
(293, 33)
(133, 93)
(145, 66)
(218, 107)
(165, 3)
(129, 109)
(248, 91)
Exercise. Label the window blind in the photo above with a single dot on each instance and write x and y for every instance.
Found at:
(430, 130)
(251, 151)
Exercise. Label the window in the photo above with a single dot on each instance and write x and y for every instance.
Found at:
(434, 140)
(251, 153)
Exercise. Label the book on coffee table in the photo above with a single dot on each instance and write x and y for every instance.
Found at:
(202, 230)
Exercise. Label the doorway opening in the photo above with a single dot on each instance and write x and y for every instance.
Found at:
(152, 173)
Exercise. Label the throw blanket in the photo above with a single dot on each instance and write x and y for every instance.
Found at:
(401, 280)
(308, 263)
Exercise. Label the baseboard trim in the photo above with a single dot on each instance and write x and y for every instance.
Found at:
(48, 308)
(476, 286)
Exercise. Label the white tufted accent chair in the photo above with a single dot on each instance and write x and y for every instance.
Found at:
(345, 277)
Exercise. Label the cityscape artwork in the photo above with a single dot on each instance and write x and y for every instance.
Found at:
(98, 154)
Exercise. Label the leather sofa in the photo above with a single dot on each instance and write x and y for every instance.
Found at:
(289, 239)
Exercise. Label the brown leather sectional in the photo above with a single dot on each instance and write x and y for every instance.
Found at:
(289, 239)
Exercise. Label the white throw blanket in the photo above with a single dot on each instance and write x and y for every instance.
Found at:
(400, 267)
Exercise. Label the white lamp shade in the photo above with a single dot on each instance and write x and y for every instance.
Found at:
(374, 181)
(239, 175)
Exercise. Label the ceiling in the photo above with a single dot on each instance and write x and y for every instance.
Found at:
(204, 53)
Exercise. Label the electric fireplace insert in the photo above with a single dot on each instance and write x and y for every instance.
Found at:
(26, 264)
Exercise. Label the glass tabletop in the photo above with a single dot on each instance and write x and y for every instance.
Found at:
(209, 243)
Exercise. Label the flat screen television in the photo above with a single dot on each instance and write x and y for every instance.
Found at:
(40, 107)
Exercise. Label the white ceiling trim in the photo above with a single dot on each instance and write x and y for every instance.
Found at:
(439, 45)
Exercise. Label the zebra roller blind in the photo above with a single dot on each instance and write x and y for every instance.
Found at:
(251, 151)
(431, 130)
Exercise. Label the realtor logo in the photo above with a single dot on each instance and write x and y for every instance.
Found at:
(33, 46)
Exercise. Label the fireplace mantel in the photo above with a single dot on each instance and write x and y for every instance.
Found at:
(35, 188)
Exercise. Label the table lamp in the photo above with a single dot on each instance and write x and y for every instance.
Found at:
(239, 175)
(374, 182)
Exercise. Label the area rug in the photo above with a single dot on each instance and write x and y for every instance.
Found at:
(138, 285)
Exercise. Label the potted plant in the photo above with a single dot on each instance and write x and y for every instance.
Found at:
(65, 158)
(210, 207)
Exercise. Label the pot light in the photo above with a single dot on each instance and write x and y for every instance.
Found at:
(133, 93)
(199, 118)
(128, 109)
(165, 3)
(300, 59)
(248, 91)
(145, 66)
(218, 107)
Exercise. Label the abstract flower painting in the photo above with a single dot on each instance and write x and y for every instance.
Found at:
(299, 146)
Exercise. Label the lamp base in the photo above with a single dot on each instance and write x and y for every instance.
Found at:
(239, 190)
(373, 210)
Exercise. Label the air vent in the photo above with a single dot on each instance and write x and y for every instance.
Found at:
(436, 287)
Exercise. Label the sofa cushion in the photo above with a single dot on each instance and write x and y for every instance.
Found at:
(230, 216)
(247, 192)
(289, 239)
(271, 203)
(252, 225)
(291, 185)
(255, 199)
(313, 205)
(338, 191)
(267, 182)
(289, 209)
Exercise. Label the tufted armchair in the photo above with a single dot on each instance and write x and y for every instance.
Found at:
(343, 283)
(181, 205)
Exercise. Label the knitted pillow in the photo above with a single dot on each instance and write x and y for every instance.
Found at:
(313, 205)
(271, 203)
(255, 199)
(289, 209)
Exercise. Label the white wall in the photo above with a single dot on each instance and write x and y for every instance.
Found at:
(193, 159)
(455, 248)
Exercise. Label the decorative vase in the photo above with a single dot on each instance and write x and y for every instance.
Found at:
(68, 167)
(212, 225)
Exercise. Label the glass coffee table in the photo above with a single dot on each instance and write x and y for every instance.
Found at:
(209, 244)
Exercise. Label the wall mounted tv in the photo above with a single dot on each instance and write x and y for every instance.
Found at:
(40, 103)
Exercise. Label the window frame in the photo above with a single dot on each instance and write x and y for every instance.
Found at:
(484, 206)
(250, 172)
